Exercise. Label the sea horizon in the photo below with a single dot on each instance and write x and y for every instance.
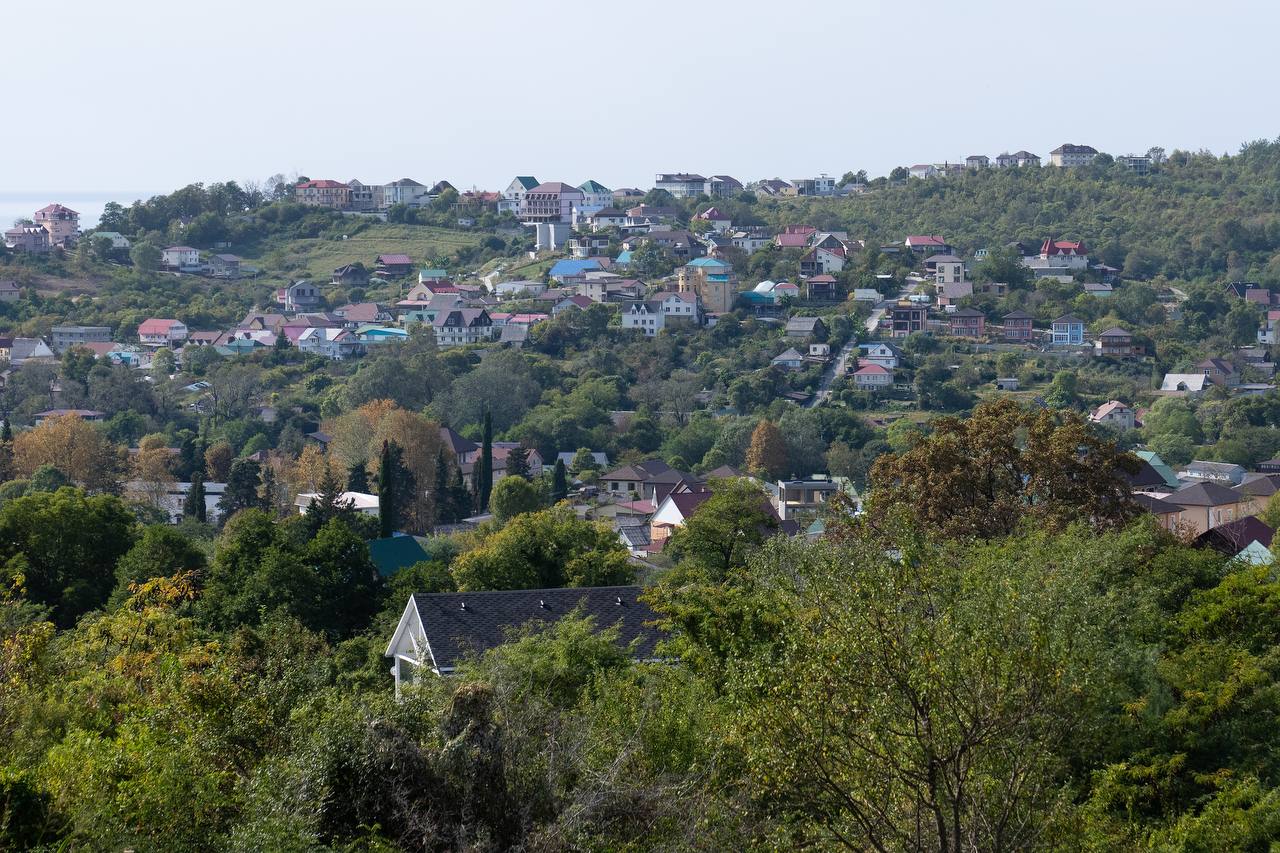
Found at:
(21, 204)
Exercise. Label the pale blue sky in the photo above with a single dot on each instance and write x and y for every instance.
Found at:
(145, 94)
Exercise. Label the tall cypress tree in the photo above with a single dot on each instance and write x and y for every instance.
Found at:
(269, 488)
(559, 483)
(484, 481)
(459, 496)
(193, 505)
(440, 495)
(388, 509)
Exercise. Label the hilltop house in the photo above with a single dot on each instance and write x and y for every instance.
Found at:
(62, 223)
(1069, 156)
(513, 195)
(1067, 331)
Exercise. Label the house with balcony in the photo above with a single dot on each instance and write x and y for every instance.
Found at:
(822, 261)
(62, 223)
(299, 296)
(1117, 343)
(645, 315)
(1067, 331)
(1017, 160)
(1069, 155)
(162, 332)
(681, 184)
(966, 323)
(794, 498)
(513, 195)
(28, 238)
(334, 195)
(405, 191)
(463, 326)
(906, 318)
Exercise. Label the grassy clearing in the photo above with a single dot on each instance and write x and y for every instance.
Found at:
(317, 258)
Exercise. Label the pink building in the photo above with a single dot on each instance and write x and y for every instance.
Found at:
(551, 202)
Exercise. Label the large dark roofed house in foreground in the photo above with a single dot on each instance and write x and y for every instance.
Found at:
(438, 631)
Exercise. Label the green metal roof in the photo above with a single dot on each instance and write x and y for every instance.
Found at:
(394, 553)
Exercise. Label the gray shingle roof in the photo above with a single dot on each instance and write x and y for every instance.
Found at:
(457, 623)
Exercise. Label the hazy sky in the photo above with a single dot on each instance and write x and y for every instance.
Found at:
(145, 94)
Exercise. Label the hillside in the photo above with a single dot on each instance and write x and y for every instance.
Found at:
(316, 258)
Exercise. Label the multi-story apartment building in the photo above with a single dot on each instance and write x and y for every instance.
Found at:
(62, 223)
(324, 193)
(64, 338)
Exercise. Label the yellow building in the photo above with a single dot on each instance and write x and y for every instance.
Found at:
(712, 280)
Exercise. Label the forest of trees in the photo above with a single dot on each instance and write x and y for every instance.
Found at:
(1069, 678)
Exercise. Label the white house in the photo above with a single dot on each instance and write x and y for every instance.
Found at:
(514, 193)
(872, 377)
(644, 315)
(883, 354)
(1114, 413)
(360, 502)
(180, 258)
(789, 360)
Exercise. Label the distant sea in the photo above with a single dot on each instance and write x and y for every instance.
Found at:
(21, 205)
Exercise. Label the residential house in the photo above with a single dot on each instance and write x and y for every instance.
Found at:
(907, 318)
(23, 350)
(681, 184)
(1167, 513)
(712, 281)
(162, 332)
(1114, 413)
(751, 240)
(394, 265)
(1018, 327)
(595, 197)
(1153, 459)
(795, 236)
(967, 323)
(462, 326)
(1018, 159)
(514, 194)
(1069, 155)
(1067, 331)
(609, 217)
(1184, 384)
(683, 245)
(882, 353)
(28, 238)
(717, 219)
(182, 258)
(363, 198)
(641, 479)
(950, 294)
(873, 377)
(682, 308)
(350, 275)
(82, 414)
(644, 315)
(405, 191)
(9, 291)
(947, 269)
(791, 359)
(923, 170)
(866, 294)
(801, 328)
(822, 288)
(583, 246)
(62, 223)
(224, 266)
(572, 270)
(773, 187)
(334, 195)
(1226, 473)
(571, 303)
(672, 511)
(1246, 539)
(1258, 489)
(513, 289)
(1206, 505)
(361, 313)
(799, 498)
(64, 338)
(438, 631)
(931, 244)
(551, 202)
(1098, 288)
(977, 161)
(823, 185)
(299, 296)
(822, 261)
(360, 503)
(1117, 343)
(1139, 164)
(336, 344)
(1219, 371)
